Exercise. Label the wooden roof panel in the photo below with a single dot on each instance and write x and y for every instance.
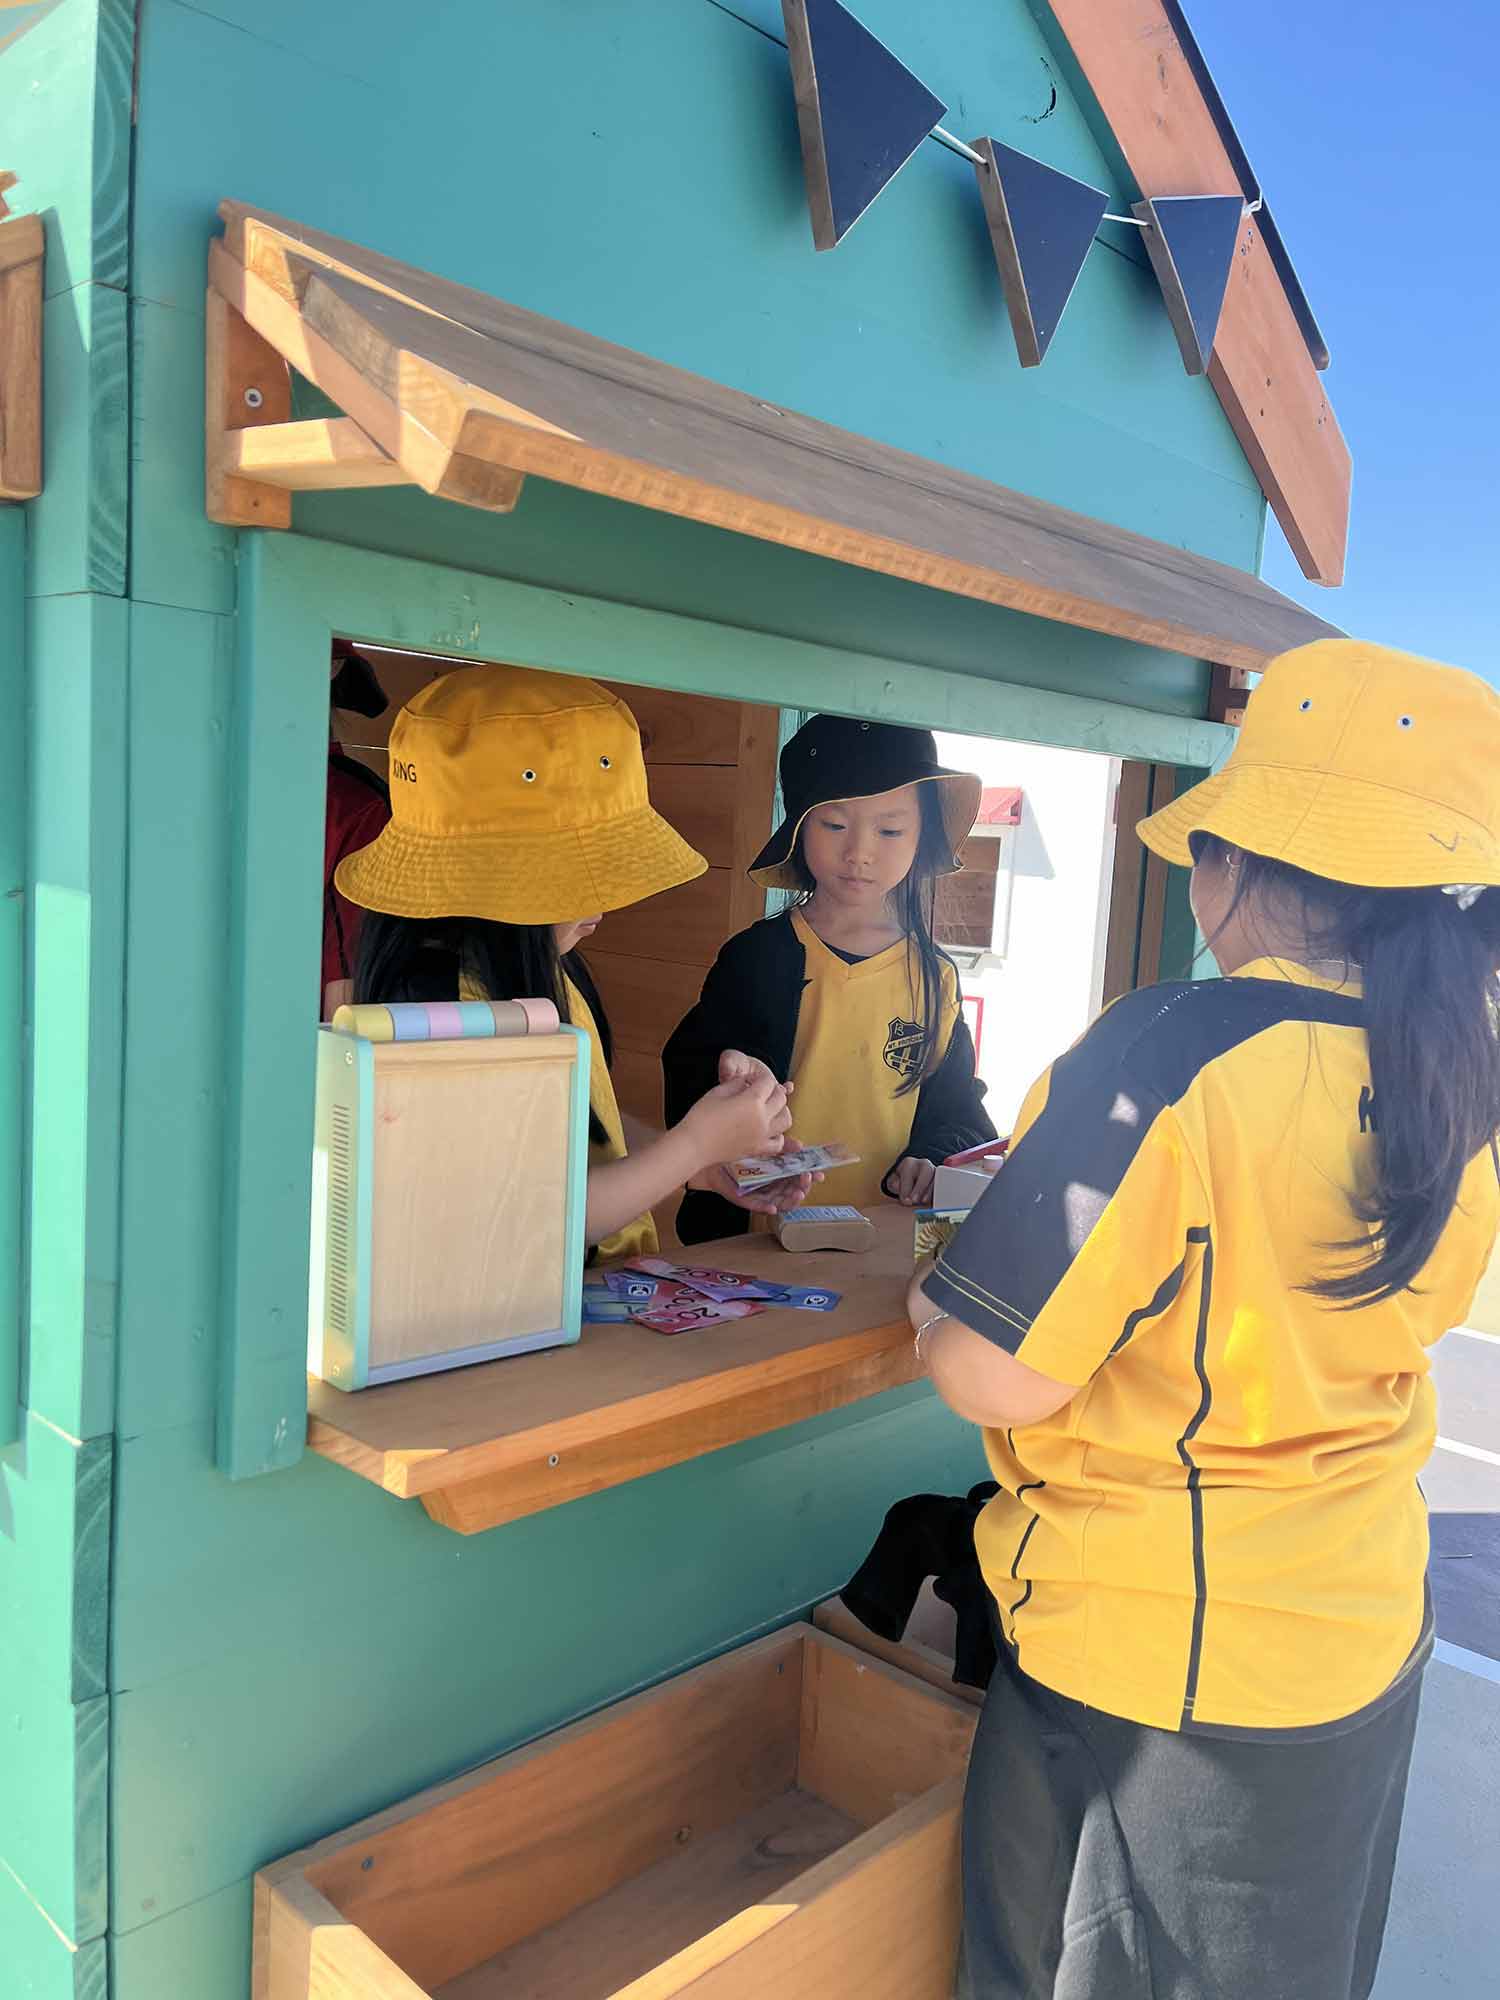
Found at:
(1143, 79)
(437, 374)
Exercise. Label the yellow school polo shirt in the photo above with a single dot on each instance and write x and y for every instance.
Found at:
(1222, 1530)
(638, 1238)
(859, 1037)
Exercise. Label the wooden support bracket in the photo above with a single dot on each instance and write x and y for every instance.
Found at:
(1227, 695)
(22, 247)
(309, 457)
(246, 384)
(256, 456)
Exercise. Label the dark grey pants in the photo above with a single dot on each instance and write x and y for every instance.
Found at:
(1107, 1861)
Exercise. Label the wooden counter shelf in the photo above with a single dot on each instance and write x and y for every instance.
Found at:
(484, 1445)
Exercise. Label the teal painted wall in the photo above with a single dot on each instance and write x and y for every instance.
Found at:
(65, 113)
(636, 172)
(12, 960)
(267, 1660)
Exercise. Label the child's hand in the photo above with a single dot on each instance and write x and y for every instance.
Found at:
(911, 1181)
(738, 1119)
(773, 1200)
(735, 1067)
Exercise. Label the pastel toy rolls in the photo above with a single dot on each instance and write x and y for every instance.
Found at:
(447, 1020)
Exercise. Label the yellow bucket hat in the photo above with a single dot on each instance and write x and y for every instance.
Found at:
(519, 797)
(1359, 764)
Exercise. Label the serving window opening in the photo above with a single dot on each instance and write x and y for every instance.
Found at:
(1055, 912)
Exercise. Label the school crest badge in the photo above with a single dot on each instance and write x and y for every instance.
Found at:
(903, 1047)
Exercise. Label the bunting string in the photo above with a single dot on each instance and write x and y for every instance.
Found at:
(862, 114)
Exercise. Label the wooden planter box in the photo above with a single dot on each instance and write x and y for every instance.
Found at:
(924, 1650)
(782, 1820)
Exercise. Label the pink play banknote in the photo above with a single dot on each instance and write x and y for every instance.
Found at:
(720, 1285)
(751, 1175)
(692, 1310)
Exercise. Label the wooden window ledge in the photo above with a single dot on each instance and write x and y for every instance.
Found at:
(485, 1445)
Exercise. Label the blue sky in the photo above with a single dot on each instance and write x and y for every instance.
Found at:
(1375, 132)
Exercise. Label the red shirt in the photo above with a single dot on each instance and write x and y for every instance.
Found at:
(357, 810)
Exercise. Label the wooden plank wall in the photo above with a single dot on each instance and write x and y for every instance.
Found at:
(712, 767)
(1138, 892)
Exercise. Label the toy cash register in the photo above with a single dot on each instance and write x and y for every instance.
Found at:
(450, 1164)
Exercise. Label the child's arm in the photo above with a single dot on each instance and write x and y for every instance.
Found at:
(738, 1010)
(746, 1011)
(950, 1117)
(746, 1116)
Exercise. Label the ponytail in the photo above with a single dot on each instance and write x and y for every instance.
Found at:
(1431, 1007)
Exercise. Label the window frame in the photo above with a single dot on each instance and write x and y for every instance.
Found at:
(294, 594)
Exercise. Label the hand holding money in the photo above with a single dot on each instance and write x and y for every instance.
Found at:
(754, 1175)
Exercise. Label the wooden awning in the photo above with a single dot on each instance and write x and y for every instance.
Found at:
(465, 396)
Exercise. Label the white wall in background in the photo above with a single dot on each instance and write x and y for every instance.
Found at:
(1044, 992)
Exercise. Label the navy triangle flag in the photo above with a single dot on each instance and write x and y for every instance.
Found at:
(861, 113)
(1042, 224)
(1191, 242)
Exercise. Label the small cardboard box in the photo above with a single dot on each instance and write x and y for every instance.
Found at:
(958, 1187)
(825, 1229)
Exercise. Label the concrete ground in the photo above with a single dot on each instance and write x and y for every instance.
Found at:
(1444, 1937)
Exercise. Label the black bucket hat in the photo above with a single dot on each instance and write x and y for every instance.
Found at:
(832, 757)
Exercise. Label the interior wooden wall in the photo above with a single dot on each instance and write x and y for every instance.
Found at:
(712, 767)
(1138, 891)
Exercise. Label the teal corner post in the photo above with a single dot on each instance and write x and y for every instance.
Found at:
(12, 948)
(279, 758)
(294, 593)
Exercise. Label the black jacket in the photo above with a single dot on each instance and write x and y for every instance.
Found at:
(930, 1535)
(750, 1001)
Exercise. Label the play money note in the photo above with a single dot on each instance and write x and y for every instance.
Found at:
(751, 1175)
(601, 1306)
(723, 1286)
(637, 1286)
(691, 1311)
(720, 1285)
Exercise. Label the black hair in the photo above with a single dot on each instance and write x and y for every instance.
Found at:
(1431, 1005)
(415, 958)
(912, 901)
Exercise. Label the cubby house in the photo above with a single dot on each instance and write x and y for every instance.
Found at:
(472, 334)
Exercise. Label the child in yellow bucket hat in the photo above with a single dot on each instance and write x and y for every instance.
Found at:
(519, 817)
(1193, 1316)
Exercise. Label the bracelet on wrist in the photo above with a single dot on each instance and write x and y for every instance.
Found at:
(926, 1327)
